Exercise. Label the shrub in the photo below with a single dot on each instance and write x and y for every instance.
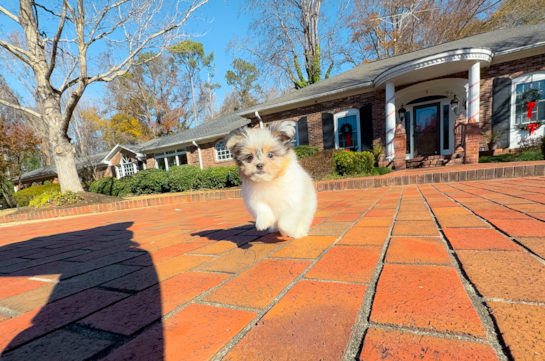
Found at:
(530, 145)
(212, 178)
(233, 177)
(24, 196)
(348, 163)
(181, 178)
(149, 181)
(103, 186)
(47, 182)
(304, 151)
(55, 197)
(319, 165)
(122, 187)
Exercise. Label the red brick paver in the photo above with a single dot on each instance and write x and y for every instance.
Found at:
(416, 272)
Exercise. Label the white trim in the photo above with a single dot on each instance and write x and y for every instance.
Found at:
(342, 114)
(107, 159)
(472, 54)
(517, 135)
(227, 151)
(296, 136)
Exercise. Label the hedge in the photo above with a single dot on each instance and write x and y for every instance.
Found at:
(24, 196)
(177, 179)
(347, 163)
(304, 151)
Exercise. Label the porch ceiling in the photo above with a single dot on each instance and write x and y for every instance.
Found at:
(434, 66)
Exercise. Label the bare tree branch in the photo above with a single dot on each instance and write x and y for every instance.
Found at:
(18, 107)
(10, 15)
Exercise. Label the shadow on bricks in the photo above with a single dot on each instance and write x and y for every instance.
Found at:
(97, 300)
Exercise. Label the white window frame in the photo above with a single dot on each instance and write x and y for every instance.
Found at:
(167, 154)
(295, 139)
(516, 134)
(343, 114)
(523, 79)
(126, 167)
(226, 151)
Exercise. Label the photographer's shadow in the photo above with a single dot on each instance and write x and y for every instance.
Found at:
(78, 295)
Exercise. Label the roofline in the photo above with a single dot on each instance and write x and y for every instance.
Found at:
(106, 160)
(152, 150)
(249, 114)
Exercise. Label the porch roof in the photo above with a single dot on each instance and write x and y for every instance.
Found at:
(499, 42)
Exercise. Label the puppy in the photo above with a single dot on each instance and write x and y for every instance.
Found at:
(277, 191)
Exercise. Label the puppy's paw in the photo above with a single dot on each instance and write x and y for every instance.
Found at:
(273, 229)
(262, 222)
(300, 235)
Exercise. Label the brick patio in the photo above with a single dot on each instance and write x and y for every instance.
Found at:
(419, 272)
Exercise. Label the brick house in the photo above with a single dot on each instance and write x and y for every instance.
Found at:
(427, 108)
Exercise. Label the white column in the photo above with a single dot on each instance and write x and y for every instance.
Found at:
(390, 120)
(473, 93)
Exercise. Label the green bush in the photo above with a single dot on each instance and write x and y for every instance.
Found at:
(304, 151)
(212, 178)
(122, 187)
(319, 165)
(348, 163)
(233, 178)
(524, 156)
(149, 181)
(47, 182)
(54, 197)
(181, 178)
(103, 186)
(23, 197)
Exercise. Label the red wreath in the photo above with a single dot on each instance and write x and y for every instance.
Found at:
(346, 130)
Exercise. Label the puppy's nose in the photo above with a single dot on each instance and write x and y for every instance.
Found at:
(259, 166)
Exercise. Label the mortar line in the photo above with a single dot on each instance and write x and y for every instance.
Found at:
(229, 345)
(489, 325)
(355, 344)
(505, 234)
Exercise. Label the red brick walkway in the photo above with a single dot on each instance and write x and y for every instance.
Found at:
(422, 272)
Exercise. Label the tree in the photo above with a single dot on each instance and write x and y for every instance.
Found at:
(294, 37)
(17, 145)
(384, 28)
(242, 78)
(152, 92)
(121, 128)
(191, 56)
(128, 26)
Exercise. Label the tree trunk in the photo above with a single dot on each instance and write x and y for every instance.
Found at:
(194, 105)
(64, 152)
(7, 195)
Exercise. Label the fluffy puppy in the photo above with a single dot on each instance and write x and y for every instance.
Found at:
(277, 191)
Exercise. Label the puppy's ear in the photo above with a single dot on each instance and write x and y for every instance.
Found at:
(283, 130)
(235, 137)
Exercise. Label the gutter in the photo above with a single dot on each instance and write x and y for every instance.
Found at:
(199, 151)
(258, 117)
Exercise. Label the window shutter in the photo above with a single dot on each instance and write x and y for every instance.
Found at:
(328, 130)
(302, 128)
(501, 108)
(366, 126)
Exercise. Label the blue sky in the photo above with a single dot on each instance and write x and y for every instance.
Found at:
(218, 22)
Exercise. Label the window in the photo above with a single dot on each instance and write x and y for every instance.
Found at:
(222, 153)
(295, 139)
(169, 159)
(523, 84)
(347, 130)
(126, 167)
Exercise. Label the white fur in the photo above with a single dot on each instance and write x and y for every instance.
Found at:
(286, 203)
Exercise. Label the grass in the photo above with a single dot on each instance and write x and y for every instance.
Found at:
(526, 156)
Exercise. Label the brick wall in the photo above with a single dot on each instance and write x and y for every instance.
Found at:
(208, 155)
(314, 115)
(511, 69)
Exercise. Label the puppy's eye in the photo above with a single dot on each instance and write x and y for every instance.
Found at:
(249, 158)
(270, 155)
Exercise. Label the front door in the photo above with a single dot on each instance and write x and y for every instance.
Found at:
(426, 126)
